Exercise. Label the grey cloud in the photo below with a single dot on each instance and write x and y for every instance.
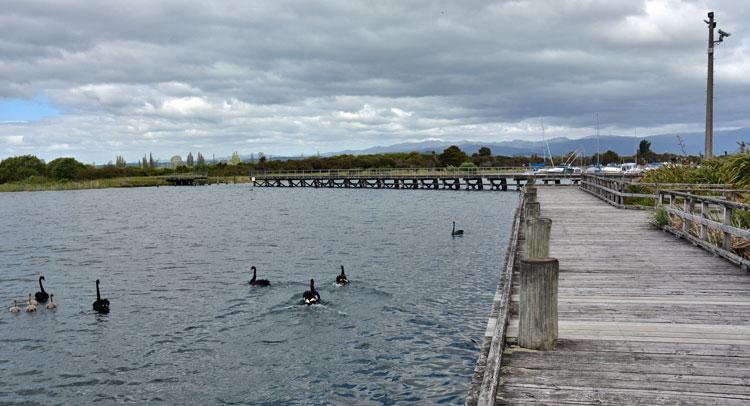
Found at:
(288, 77)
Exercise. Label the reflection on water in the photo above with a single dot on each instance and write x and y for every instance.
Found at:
(186, 327)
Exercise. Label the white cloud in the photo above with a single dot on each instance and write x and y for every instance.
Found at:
(16, 140)
(59, 147)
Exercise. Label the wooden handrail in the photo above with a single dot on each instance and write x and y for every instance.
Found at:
(724, 208)
(614, 191)
(708, 199)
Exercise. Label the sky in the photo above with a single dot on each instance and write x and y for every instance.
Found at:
(304, 77)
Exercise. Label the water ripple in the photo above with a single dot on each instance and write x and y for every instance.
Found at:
(174, 264)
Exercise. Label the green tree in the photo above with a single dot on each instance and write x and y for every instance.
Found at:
(18, 168)
(644, 148)
(261, 158)
(610, 157)
(452, 156)
(190, 160)
(485, 151)
(120, 162)
(64, 168)
(235, 159)
(201, 162)
(150, 161)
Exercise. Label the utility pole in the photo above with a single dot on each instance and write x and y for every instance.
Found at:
(709, 151)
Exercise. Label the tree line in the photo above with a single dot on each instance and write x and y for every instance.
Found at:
(31, 168)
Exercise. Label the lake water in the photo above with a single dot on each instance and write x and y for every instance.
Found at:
(185, 326)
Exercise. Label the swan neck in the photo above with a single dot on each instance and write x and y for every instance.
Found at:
(98, 296)
(40, 284)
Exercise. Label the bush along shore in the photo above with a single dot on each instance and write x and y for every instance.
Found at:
(40, 185)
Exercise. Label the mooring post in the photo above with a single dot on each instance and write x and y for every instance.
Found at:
(537, 323)
(531, 210)
(537, 237)
(530, 193)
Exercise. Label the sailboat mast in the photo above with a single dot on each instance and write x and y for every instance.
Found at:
(552, 162)
(597, 140)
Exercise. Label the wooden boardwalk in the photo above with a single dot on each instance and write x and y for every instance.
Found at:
(644, 318)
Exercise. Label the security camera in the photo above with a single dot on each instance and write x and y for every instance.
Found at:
(723, 33)
(710, 14)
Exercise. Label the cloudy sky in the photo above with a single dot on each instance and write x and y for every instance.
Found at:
(92, 80)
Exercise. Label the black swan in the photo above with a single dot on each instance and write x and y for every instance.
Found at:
(311, 296)
(258, 282)
(456, 232)
(101, 305)
(41, 296)
(342, 279)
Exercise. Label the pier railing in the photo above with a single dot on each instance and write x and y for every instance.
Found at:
(627, 192)
(389, 172)
(718, 225)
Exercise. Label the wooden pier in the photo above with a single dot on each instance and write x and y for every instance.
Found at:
(644, 318)
(480, 179)
(187, 180)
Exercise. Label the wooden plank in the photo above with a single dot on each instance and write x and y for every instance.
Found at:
(644, 318)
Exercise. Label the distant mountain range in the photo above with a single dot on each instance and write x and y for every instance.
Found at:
(723, 141)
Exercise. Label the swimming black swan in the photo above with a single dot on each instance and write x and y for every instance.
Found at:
(41, 296)
(311, 296)
(258, 282)
(101, 305)
(342, 279)
(456, 232)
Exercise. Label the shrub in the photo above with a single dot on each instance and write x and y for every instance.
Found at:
(660, 217)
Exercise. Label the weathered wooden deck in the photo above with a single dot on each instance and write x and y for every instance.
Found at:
(644, 318)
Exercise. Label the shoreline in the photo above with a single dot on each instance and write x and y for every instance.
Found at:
(125, 182)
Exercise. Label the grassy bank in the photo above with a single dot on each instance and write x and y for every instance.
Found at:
(141, 181)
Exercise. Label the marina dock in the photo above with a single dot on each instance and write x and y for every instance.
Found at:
(644, 317)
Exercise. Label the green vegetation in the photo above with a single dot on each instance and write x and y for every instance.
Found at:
(660, 217)
(18, 168)
(734, 170)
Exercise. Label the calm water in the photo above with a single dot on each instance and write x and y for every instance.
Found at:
(185, 326)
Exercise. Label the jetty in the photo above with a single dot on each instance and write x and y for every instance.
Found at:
(641, 317)
(187, 180)
(413, 178)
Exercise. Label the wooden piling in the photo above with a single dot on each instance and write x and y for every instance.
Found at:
(531, 210)
(537, 232)
(530, 194)
(537, 324)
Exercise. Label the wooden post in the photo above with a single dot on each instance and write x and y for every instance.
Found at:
(685, 222)
(704, 215)
(531, 210)
(537, 237)
(727, 243)
(530, 194)
(537, 324)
